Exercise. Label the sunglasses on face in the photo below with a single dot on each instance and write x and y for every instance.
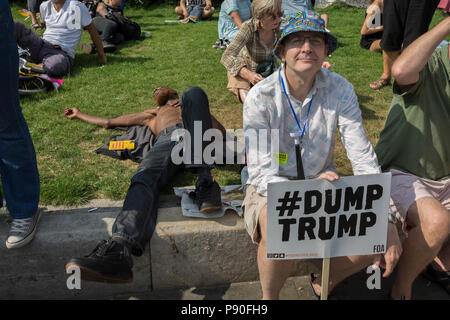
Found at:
(274, 16)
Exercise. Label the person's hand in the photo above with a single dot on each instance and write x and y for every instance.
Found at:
(71, 113)
(102, 59)
(255, 78)
(389, 259)
(329, 175)
(326, 65)
(207, 7)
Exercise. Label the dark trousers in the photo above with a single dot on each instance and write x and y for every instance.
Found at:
(108, 30)
(137, 220)
(33, 5)
(18, 168)
(56, 62)
(404, 21)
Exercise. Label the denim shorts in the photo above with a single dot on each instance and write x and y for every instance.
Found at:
(195, 11)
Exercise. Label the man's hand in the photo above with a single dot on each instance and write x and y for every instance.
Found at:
(326, 65)
(393, 252)
(328, 175)
(71, 113)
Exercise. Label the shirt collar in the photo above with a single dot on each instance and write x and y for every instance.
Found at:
(320, 82)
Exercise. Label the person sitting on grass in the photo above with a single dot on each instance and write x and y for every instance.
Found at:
(108, 26)
(372, 28)
(299, 86)
(55, 51)
(232, 14)
(415, 147)
(111, 260)
(194, 10)
(252, 46)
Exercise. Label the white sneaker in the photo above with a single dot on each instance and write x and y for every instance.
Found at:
(22, 231)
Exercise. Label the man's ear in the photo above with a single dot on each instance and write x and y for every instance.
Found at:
(281, 51)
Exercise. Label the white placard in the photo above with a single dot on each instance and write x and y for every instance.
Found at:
(319, 219)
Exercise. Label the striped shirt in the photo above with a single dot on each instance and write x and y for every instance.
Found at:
(334, 106)
(247, 50)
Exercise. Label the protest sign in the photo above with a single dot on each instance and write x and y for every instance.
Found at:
(320, 219)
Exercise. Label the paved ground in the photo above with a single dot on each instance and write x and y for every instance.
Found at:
(297, 288)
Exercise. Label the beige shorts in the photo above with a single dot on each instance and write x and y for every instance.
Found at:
(407, 189)
(252, 207)
(236, 82)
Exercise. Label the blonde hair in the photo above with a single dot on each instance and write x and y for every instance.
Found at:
(264, 8)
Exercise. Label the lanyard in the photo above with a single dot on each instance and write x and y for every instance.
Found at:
(292, 109)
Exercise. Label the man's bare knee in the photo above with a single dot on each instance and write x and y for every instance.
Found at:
(428, 214)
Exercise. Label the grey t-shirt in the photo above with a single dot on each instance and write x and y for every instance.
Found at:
(64, 28)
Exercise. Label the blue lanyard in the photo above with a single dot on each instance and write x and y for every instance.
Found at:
(292, 109)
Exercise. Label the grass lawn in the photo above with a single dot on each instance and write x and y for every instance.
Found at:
(179, 56)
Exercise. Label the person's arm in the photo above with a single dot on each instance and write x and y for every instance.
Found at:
(208, 5)
(101, 10)
(134, 119)
(407, 67)
(230, 57)
(183, 8)
(367, 27)
(236, 18)
(258, 147)
(97, 42)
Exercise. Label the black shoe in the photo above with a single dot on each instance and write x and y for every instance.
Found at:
(109, 262)
(207, 195)
(108, 47)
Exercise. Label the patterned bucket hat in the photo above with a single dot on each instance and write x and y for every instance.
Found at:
(304, 21)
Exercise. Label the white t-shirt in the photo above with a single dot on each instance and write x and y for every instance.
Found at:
(64, 28)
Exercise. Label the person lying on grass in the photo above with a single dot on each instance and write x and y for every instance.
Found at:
(111, 260)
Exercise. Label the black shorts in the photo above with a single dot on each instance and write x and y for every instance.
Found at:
(366, 41)
(404, 21)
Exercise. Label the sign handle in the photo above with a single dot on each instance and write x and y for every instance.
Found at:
(325, 278)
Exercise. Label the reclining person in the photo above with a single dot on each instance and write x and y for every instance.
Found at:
(64, 21)
(111, 260)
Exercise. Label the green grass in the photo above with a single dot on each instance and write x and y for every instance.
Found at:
(179, 56)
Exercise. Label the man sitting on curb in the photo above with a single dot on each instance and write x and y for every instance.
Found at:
(194, 10)
(64, 21)
(323, 101)
(111, 260)
(415, 147)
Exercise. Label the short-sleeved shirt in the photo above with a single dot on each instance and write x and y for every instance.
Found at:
(247, 49)
(294, 6)
(226, 27)
(64, 28)
(416, 136)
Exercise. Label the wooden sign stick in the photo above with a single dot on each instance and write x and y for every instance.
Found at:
(325, 278)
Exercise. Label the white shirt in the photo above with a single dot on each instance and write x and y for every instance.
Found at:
(334, 106)
(64, 28)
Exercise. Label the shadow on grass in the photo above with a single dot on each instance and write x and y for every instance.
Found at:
(85, 61)
(367, 113)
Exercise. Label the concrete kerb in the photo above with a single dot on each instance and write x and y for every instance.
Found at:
(183, 253)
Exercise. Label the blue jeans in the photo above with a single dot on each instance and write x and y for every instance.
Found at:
(137, 220)
(195, 11)
(18, 168)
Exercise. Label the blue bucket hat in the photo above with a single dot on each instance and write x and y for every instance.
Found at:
(304, 21)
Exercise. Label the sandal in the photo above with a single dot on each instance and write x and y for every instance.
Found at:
(380, 83)
(440, 277)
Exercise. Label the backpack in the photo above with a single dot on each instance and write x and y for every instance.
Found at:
(130, 29)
